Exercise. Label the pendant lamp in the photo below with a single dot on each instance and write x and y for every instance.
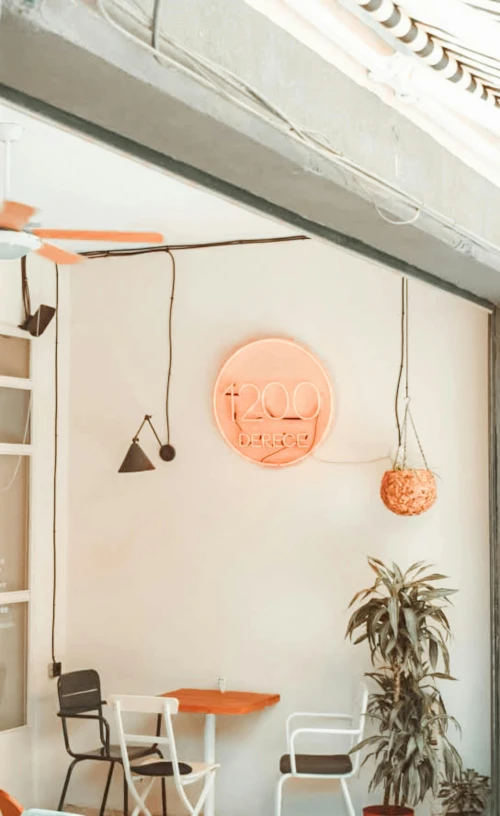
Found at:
(37, 323)
(136, 460)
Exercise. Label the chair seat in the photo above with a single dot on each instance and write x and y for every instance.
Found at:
(192, 772)
(135, 752)
(160, 768)
(317, 764)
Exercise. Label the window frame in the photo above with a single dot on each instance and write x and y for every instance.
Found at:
(23, 596)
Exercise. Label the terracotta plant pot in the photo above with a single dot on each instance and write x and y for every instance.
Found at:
(391, 810)
(408, 492)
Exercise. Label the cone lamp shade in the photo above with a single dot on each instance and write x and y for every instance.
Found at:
(136, 460)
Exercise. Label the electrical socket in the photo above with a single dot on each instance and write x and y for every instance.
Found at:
(55, 670)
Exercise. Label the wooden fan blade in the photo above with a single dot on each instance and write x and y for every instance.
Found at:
(15, 216)
(59, 256)
(101, 235)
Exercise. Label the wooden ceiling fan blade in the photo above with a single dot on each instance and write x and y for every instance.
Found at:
(14, 215)
(101, 235)
(57, 255)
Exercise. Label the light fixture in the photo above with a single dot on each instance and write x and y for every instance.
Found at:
(136, 460)
(37, 323)
(15, 245)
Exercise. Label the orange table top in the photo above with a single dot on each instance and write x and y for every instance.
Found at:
(210, 701)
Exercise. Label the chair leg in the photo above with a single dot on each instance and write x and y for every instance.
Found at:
(66, 784)
(279, 794)
(164, 796)
(106, 789)
(125, 793)
(141, 801)
(209, 781)
(347, 797)
(163, 780)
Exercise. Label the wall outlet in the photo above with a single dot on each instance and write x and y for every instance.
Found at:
(221, 682)
(55, 670)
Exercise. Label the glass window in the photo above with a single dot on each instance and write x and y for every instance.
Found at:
(13, 639)
(14, 356)
(14, 415)
(15, 420)
(14, 521)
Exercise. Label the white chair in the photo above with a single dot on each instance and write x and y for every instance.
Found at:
(324, 766)
(153, 768)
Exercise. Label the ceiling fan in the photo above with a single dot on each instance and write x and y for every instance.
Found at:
(18, 237)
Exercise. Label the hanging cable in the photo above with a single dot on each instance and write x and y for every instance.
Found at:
(56, 452)
(25, 290)
(170, 350)
(402, 362)
(156, 23)
(400, 461)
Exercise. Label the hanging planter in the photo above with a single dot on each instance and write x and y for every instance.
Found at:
(404, 490)
(408, 492)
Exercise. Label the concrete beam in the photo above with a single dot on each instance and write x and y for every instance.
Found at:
(70, 65)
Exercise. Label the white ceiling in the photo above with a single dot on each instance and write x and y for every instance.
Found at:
(78, 184)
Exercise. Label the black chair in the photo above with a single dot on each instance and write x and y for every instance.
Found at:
(80, 699)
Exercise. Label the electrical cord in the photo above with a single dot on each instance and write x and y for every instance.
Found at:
(211, 75)
(25, 289)
(56, 453)
(399, 223)
(105, 253)
(170, 347)
(156, 23)
(354, 462)
(402, 362)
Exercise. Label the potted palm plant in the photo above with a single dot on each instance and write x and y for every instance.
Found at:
(402, 617)
(467, 795)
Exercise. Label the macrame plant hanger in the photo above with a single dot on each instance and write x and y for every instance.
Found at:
(401, 459)
(404, 490)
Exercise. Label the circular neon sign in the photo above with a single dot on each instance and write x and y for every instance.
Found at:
(273, 402)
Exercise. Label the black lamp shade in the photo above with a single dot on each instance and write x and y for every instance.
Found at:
(37, 323)
(135, 460)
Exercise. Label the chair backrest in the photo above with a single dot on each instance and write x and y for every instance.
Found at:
(359, 722)
(79, 695)
(8, 805)
(166, 707)
(79, 691)
(143, 705)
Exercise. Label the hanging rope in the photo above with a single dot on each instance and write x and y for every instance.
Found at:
(401, 458)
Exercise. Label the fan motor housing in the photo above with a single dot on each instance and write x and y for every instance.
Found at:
(17, 244)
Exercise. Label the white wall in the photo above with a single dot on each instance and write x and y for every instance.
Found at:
(211, 566)
(26, 753)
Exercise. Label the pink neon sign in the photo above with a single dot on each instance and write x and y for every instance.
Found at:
(273, 402)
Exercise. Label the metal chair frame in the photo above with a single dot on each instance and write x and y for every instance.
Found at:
(83, 713)
(355, 734)
(198, 772)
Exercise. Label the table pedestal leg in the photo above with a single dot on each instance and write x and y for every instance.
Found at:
(209, 809)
